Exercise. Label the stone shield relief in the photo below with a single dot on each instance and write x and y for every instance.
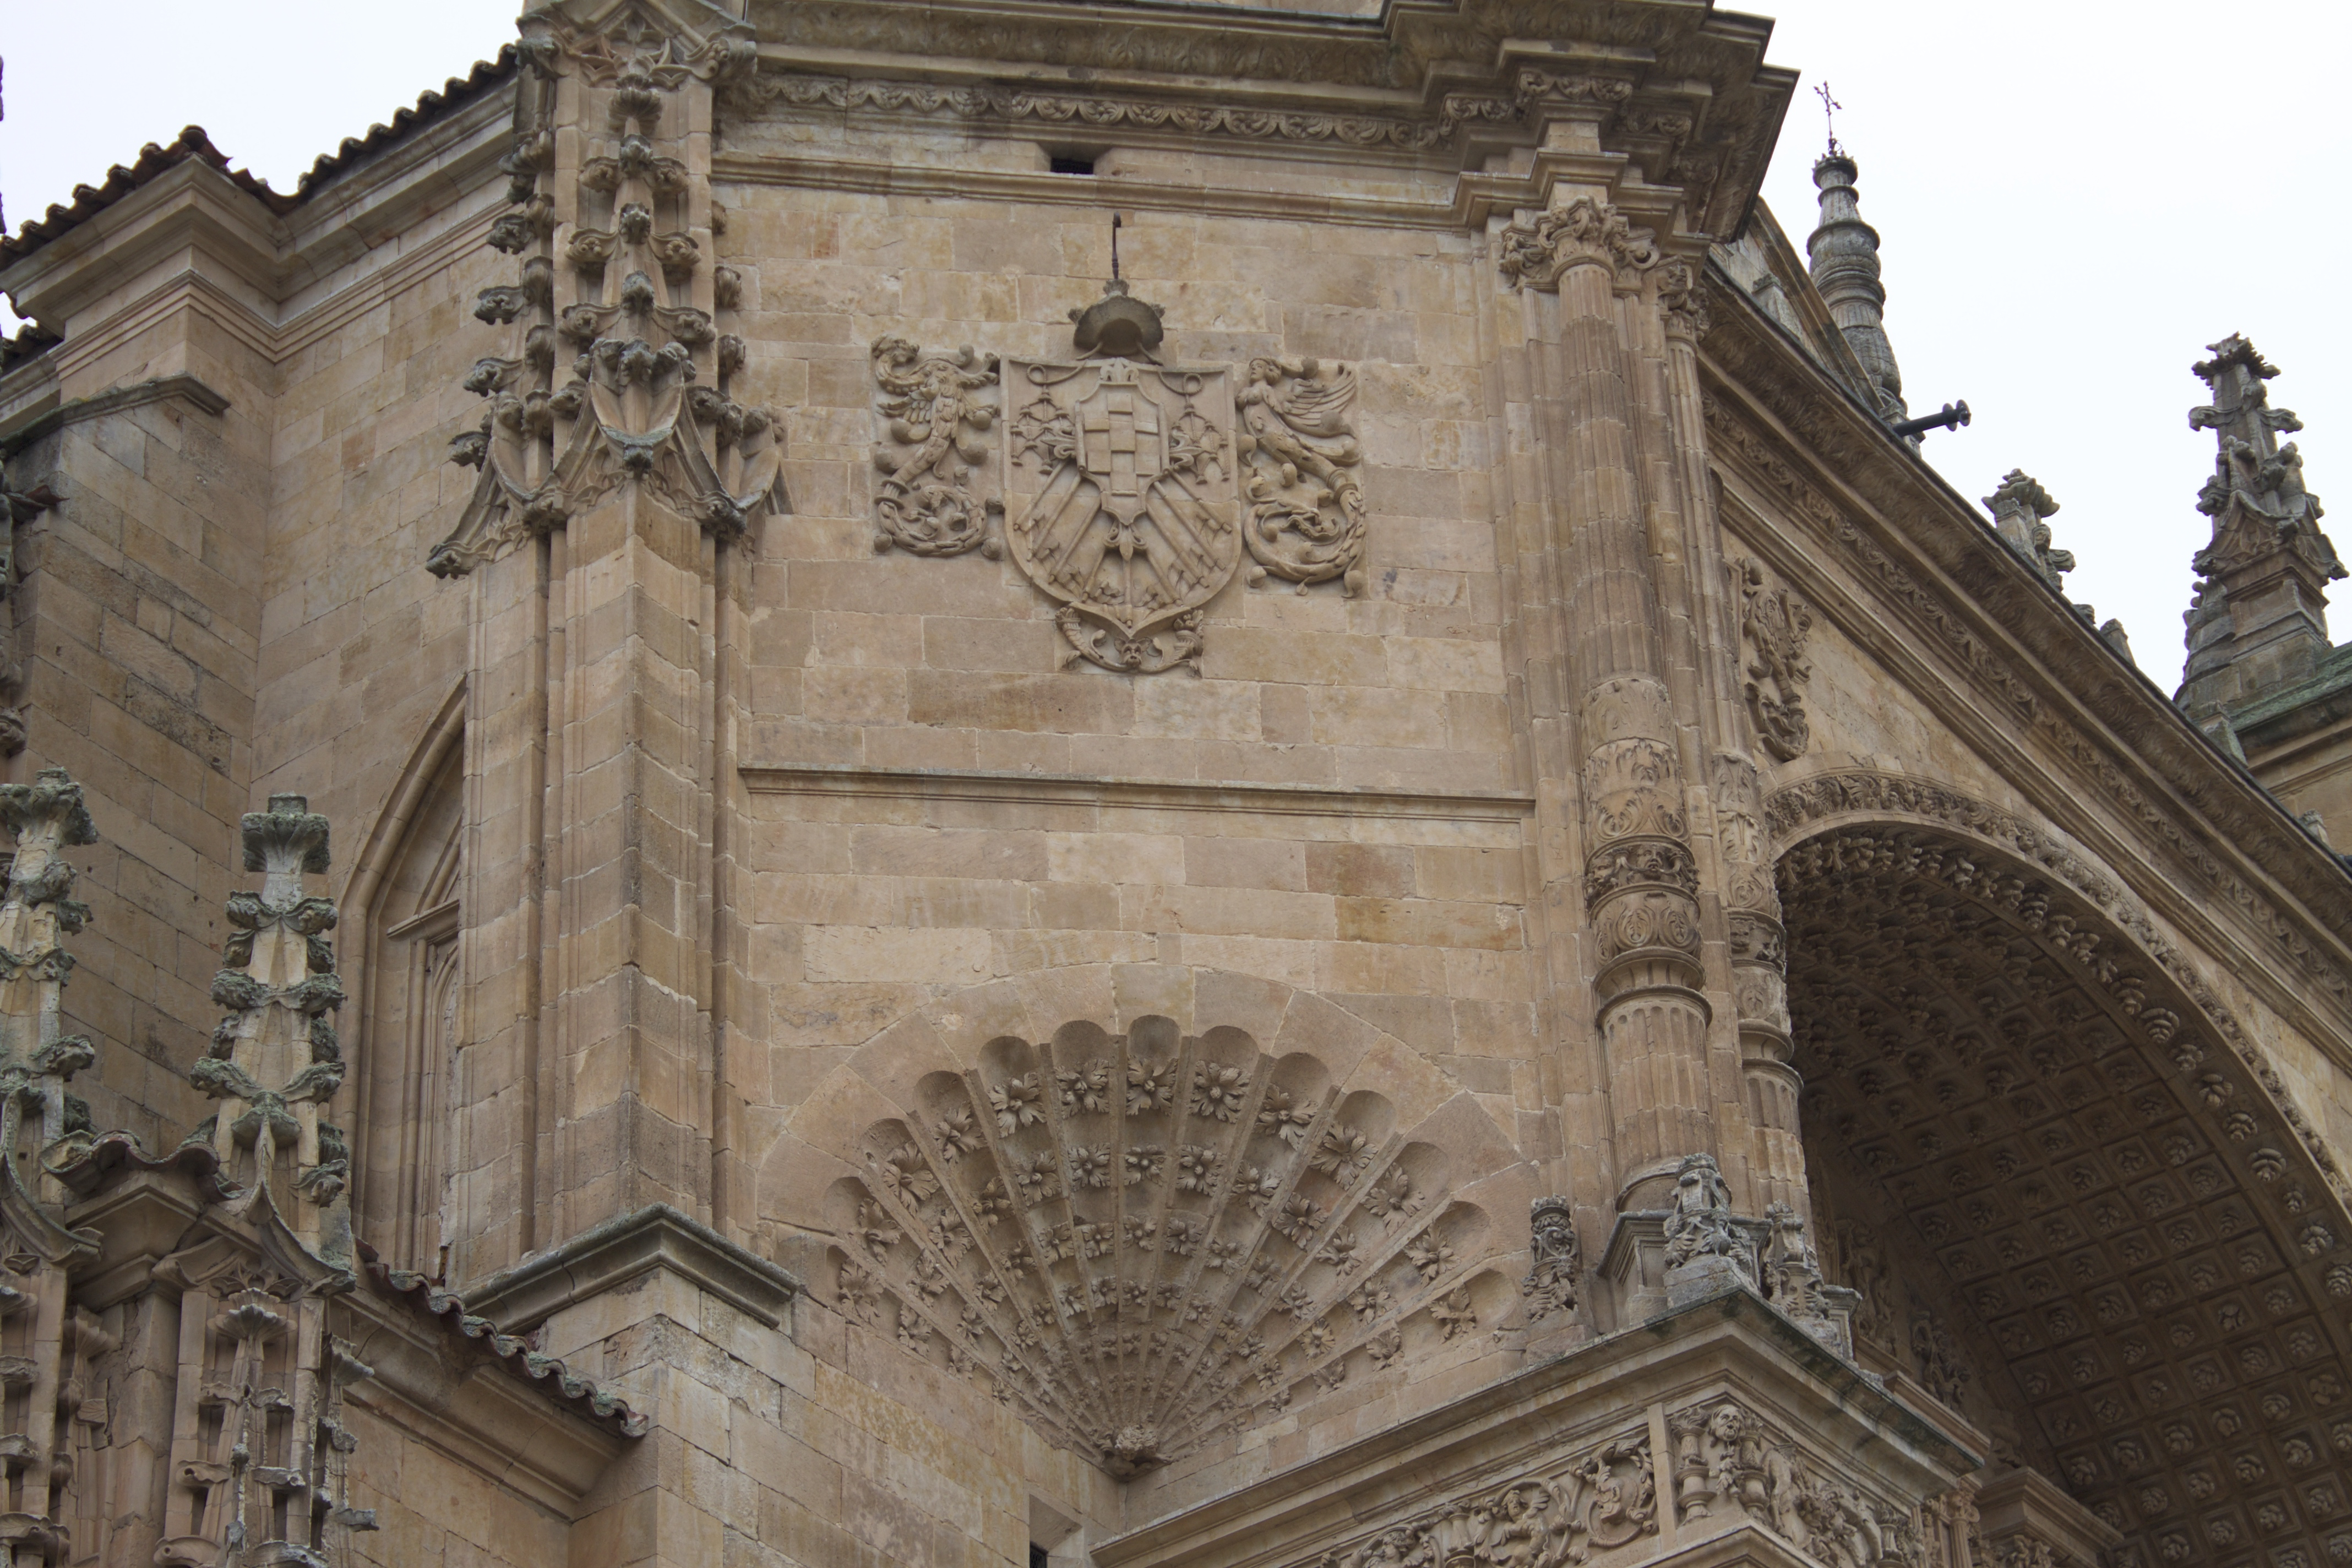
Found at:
(1120, 502)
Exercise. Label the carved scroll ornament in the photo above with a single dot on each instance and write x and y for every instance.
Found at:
(1298, 441)
(937, 411)
(1773, 624)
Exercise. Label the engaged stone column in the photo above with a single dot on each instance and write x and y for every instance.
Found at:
(1640, 883)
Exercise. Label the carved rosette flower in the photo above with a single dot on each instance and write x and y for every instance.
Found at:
(1584, 233)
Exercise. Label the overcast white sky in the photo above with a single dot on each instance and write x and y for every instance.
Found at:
(2075, 196)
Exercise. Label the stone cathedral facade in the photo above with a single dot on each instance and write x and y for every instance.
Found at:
(1159, 786)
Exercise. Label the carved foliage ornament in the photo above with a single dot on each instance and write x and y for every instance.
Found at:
(647, 400)
(1773, 624)
(1608, 1498)
(1729, 1462)
(1297, 441)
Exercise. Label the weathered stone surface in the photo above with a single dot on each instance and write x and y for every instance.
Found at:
(1372, 882)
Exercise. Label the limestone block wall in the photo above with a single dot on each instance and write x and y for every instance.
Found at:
(905, 667)
(138, 624)
(430, 1506)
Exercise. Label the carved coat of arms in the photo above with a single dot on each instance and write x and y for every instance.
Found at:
(1133, 492)
(1120, 496)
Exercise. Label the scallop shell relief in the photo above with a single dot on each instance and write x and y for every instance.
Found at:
(1148, 1242)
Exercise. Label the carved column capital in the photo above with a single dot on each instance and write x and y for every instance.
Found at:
(1584, 233)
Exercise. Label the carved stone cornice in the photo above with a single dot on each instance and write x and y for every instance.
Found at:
(609, 1255)
(1685, 97)
(2245, 839)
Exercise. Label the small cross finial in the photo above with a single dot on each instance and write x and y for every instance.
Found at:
(1830, 106)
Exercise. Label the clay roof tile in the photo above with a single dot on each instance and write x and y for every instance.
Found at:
(153, 161)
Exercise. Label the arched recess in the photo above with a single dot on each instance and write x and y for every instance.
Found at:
(400, 920)
(2075, 1199)
(1148, 1241)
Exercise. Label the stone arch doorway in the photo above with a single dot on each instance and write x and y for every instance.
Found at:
(2078, 1208)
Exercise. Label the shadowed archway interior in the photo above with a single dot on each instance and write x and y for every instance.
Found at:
(2075, 1212)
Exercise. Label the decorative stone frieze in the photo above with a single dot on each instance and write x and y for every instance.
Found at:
(1602, 1499)
(1730, 1462)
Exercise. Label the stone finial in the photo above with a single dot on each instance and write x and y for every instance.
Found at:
(1843, 255)
(275, 1062)
(1551, 1288)
(2255, 479)
(2020, 509)
(2260, 617)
